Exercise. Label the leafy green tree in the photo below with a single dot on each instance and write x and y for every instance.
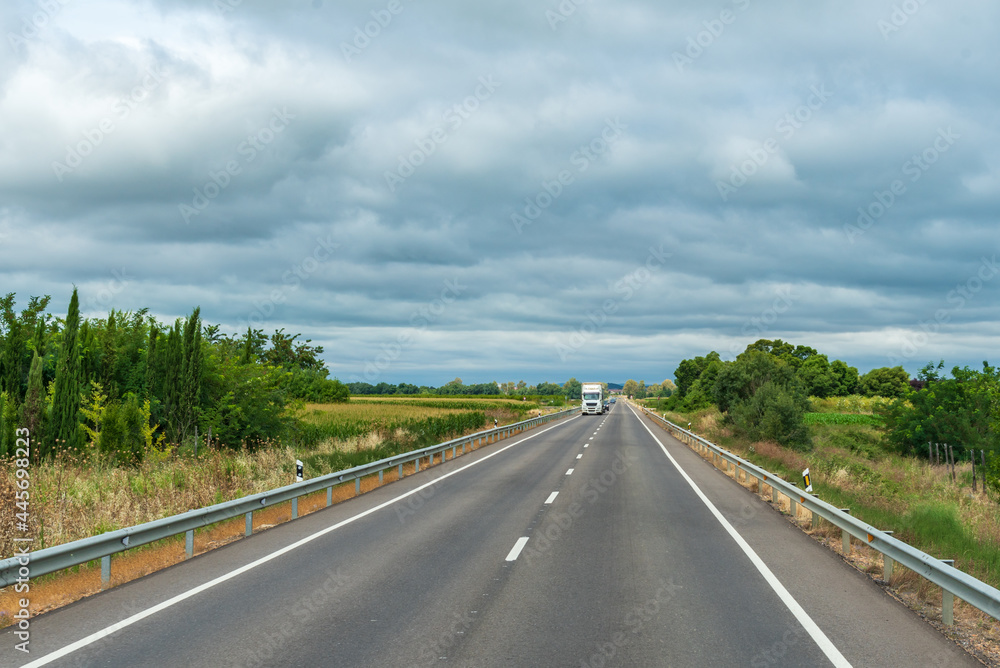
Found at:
(761, 395)
(15, 354)
(773, 413)
(688, 371)
(848, 381)
(245, 403)
(573, 388)
(284, 352)
(886, 382)
(68, 385)
(114, 433)
(818, 377)
(958, 410)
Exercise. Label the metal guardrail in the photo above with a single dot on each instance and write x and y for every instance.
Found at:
(59, 557)
(953, 582)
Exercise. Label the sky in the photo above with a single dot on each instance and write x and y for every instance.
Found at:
(532, 190)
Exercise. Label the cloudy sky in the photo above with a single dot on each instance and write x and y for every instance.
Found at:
(513, 190)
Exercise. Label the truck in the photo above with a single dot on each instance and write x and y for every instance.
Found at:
(593, 399)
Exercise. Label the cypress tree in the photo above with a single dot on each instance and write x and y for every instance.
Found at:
(190, 373)
(66, 398)
(153, 379)
(172, 360)
(33, 410)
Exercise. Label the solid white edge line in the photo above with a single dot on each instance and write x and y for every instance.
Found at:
(813, 629)
(139, 616)
(552, 497)
(516, 550)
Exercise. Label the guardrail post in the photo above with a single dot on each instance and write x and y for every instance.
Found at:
(249, 529)
(295, 507)
(400, 474)
(887, 564)
(416, 465)
(793, 508)
(189, 544)
(357, 485)
(845, 538)
(105, 571)
(774, 495)
(380, 477)
(947, 601)
(454, 449)
(329, 496)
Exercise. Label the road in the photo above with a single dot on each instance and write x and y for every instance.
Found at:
(595, 541)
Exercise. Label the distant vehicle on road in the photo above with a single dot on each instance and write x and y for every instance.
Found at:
(593, 399)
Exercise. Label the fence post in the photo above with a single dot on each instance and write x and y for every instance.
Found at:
(947, 601)
(887, 564)
(845, 538)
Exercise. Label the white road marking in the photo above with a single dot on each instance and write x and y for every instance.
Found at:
(516, 550)
(552, 497)
(820, 638)
(580, 456)
(570, 472)
(139, 616)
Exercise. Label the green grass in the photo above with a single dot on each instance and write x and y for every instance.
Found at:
(851, 468)
(842, 418)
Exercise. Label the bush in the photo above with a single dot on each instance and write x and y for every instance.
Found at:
(772, 413)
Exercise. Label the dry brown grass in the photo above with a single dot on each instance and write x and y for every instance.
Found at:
(55, 590)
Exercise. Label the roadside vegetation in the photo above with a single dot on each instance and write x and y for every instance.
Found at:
(872, 443)
(130, 419)
(78, 493)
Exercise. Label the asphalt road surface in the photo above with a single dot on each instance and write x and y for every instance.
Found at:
(595, 541)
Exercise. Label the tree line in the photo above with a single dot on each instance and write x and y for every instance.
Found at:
(765, 393)
(127, 383)
(571, 389)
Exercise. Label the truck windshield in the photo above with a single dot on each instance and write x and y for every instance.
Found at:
(593, 396)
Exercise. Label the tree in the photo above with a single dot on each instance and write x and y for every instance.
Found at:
(958, 410)
(688, 371)
(15, 354)
(284, 352)
(886, 382)
(8, 423)
(848, 381)
(630, 388)
(68, 386)
(573, 388)
(33, 411)
(818, 377)
(762, 396)
(191, 375)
